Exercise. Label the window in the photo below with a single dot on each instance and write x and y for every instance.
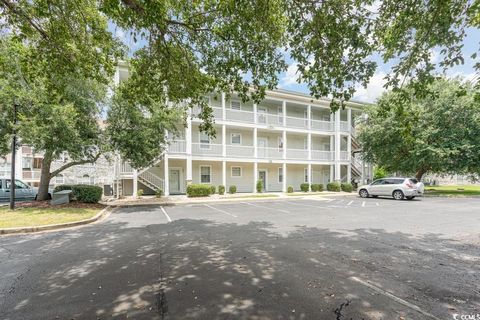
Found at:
(280, 175)
(377, 182)
(280, 115)
(236, 172)
(204, 141)
(305, 144)
(27, 163)
(235, 105)
(305, 175)
(18, 184)
(280, 143)
(205, 174)
(37, 163)
(236, 138)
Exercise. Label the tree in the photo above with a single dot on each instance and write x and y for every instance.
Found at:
(59, 123)
(438, 133)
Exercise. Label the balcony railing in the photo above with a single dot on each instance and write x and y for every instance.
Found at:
(240, 116)
(240, 151)
(270, 119)
(297, 154)
(178, 146)
(322, 155)
(206, 149)
(344, 126)
(322, 125)
(293, 122)
(344, 155)
(126, 168)
(270, 153)
(31, 174)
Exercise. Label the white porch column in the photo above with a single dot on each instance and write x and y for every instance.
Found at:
(135, 182)
(349, 119)
(284, 181)
(309, 116)
(332, 171)
(188, 149)
(363, 172)
(349, 173)
(309, 145)
(255, 142)
(337, 146)
(255, 119)
(224, 111)
(309, 171)
(166, 175)
(284, 112)
(284, 139)
(224, 141)
(224, 174)
(255, 176)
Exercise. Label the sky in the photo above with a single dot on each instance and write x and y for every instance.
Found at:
(288, 79)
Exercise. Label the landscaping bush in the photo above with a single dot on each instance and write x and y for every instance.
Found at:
(221, 190)
(82, 192)
(159, 193)
(316, 187)
(232, 189)
(259, 186)
(140, 192)
(212, 189)
(347, 187)
(290, 189)
(304, 187)
(333, 186)
(198, 190)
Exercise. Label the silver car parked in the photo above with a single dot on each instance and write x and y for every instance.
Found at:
(398, 188)
(22, 190)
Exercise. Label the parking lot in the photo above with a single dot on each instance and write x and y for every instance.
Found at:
(311, 258)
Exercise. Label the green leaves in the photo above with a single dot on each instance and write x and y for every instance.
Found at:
(438, 133)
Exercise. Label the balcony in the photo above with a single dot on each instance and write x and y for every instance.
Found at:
(344, 155)
(344, 126)
(240, 116)
(240, 151)
(322, 125)
(300, 123)
(178, 146)
(297, 154)
(125, 168)
(322, 155)
(270, 119)
(206, 149)
(269, 153)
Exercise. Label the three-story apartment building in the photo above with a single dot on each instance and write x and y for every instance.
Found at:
(286, 140)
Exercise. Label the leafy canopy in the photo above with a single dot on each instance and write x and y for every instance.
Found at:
(438, 133)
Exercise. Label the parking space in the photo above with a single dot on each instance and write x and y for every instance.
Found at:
(309, 258)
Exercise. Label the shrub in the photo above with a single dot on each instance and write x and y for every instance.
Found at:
(333, 186)
(212, 189)
(159, 193)
(304, 187)
(198, 190)
(140, 192)
(232, 189)
(221, 190)
(82, 192)
(317, 187)
(290, 189)
(259, 186)
(379, 173)
(347, 187)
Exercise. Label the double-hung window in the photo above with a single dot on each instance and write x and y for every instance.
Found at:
(280, 175)
(236, 172)
(204, 141)
(305, 175)
(236, 138)
(205, 174)
(235, 105)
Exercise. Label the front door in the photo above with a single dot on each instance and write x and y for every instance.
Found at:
(174, 181)
(262, 176)
(262, 147)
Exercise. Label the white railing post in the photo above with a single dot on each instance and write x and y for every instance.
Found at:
(349, 119)
(224, 113)
(135, 183)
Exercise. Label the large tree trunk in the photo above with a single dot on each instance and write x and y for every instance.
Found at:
(44, 178)
(419, 174)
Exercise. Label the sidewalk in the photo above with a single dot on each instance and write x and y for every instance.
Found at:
(240, 197)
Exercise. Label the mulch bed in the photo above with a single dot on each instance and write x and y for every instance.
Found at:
(46, 204)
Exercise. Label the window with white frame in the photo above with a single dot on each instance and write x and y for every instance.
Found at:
(280, 175)
(280, 115)
(236, 172)
(204, 141)
(205, 174)
(305, 175)
(235, 105)
(280, 143)
(236, 138)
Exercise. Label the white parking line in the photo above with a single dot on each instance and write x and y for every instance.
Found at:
(307, 205)
(220, 210)
(377, 204)
(258, 206)
(166, 214)
(393, 297)
(363, 204)
(330, 200)
(350, 203)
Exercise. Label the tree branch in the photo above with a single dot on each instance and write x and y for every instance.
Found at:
(74, 163)
(18, 11)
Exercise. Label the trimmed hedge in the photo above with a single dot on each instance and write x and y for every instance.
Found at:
(259, 186)
(212, 189)
(159, 193)
(198, 190)
(347, 187)
(333, 186)
(304, 187)
(82, 192)
(221, 190)
(290, 189)
(232, 189)
(316, 187)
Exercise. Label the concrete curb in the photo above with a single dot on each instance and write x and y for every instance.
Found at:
(49, 227)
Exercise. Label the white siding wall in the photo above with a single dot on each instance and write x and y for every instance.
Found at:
(320, 143)
(247, 136)
(320, 114)
(216, 140)
(296, 141)
(245, 183)
(295, 175)
(272, 138)
(272, 176)
(296, 111)
(215, 171)
(127, 187)
(321, 174)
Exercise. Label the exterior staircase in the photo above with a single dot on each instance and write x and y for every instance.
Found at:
(151, 180)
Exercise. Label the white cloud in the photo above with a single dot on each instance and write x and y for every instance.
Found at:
(434, 56)
(373, 90)
(290, 77)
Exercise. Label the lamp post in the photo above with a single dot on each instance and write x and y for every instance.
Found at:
(14, 149)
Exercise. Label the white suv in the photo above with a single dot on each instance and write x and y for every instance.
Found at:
(398, 188)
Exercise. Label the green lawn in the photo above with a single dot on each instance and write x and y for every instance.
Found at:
(453, 190)
(28, 217)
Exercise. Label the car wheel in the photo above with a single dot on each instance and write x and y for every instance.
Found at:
(398, 195)
(363, 193)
